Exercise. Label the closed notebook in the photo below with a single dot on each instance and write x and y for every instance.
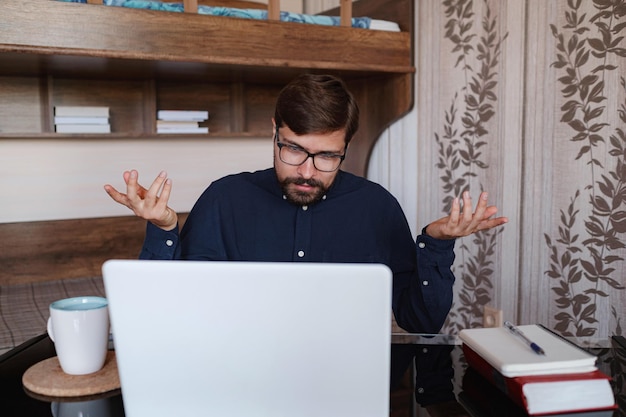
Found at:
(511, 356)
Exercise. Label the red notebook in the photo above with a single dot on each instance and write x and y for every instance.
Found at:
(549, 394)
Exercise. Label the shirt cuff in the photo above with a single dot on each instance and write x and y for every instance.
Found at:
(434, 252)
(159, 244)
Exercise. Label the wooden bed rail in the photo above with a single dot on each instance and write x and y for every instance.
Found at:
(273, 8)
(346, 12)
(63, 249)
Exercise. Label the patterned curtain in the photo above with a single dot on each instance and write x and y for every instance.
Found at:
(526, 100)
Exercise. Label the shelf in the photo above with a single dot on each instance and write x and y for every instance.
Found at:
(235, 109)
(139, 61)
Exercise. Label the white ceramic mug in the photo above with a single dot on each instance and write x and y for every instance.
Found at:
(79, 328)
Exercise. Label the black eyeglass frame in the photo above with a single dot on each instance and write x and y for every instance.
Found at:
(308, 154)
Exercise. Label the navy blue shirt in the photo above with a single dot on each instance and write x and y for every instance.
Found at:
(245, 217)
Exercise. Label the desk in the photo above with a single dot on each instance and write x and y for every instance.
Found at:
(446, 361)
(444, 365)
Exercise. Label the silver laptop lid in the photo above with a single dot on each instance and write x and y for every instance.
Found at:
(251, 339)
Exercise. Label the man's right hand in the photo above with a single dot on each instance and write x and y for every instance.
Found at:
(149, 204)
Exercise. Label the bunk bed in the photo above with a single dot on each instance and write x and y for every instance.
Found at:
(48, 39)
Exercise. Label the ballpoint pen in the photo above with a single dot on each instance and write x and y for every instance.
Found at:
(535, 347)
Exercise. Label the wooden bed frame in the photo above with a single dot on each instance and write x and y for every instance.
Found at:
(43, 38)
(273, 7)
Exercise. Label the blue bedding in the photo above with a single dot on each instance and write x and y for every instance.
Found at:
(357, 22)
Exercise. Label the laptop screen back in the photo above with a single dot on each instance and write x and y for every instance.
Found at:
(251, 339)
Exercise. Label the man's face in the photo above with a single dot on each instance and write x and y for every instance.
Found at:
(304, 184)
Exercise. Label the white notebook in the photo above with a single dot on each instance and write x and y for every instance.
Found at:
(512, 356)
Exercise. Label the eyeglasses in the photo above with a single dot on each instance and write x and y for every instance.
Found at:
(295, 156)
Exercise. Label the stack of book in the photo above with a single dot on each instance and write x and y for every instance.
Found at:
(81, 119)
(553, 376)
(181, 121)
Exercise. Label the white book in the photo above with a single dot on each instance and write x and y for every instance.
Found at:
(183, 130)
(95, 111)
(175, 124)
(91, 120)
(183, 115)
(83, 128)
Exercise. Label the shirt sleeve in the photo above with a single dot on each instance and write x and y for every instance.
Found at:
(159, 244)
(422, 302)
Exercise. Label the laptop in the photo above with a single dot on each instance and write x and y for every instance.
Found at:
(246, 339)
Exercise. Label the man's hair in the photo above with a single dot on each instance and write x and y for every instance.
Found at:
(317, 104)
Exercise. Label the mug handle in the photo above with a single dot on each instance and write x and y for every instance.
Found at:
(49, 328)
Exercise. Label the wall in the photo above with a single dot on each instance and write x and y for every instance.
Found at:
(527, 100)
(294, 6)
(63, 179)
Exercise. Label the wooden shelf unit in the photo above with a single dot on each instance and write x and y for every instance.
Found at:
(139, 61)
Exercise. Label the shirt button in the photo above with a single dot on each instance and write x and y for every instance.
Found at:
(420, 390)
(421, 245)
(300, 253)
(425, 350)
(305, 208)
(425, 283)
(324, 197)
(169, 242)
(284, 197)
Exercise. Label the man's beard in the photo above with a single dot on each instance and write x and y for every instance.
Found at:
(302, 198)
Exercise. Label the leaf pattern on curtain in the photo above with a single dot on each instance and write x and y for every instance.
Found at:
(460, 149)
(584, 251)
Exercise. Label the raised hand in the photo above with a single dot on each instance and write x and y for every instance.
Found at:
(149, 204)
(459, 224)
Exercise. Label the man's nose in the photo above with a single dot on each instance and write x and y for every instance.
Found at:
(307, 169)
